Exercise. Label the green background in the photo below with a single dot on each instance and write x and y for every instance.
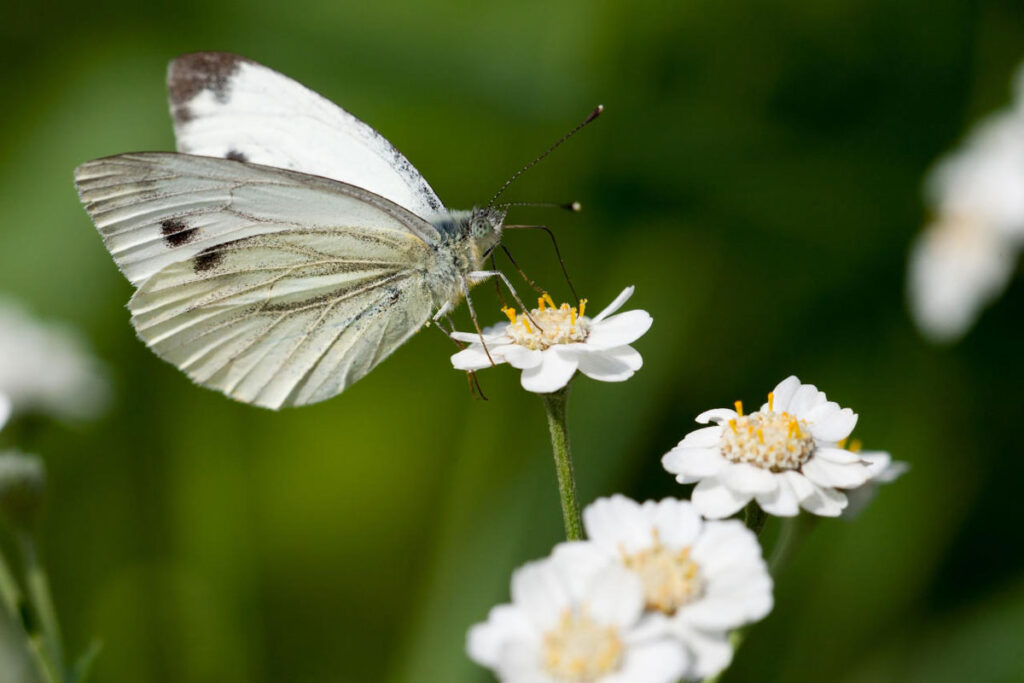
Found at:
(756, 175)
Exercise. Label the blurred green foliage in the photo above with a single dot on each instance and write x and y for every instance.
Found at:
(756, 175)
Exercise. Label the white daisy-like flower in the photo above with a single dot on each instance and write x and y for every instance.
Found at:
(966, 256)
(550, 343)
(701, 579)
(574, 621)
(786, 456)
(46, 367)
(882, 469)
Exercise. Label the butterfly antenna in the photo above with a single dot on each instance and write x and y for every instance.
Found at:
(575, 207)
(558, 253)
(590, 117)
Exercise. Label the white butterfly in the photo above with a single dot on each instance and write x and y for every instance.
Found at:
(289, 267)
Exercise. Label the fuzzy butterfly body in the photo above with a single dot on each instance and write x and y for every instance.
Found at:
(288, 248)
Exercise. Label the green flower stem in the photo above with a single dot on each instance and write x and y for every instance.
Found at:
(555, 404)
(754, 517)
(42, 601)
(10, 595)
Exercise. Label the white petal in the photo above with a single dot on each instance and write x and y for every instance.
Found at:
(540, 592)
(619, 330)
(577, 562)
(521, 357)
(781, 502)
(474, 338)
(824, 472)
(618, 522)
(802, 488)
(484, 641)
(711, 651)
(677, 521)
(836, 427)
(616, 596)
(553, 373)
(615, 305)
(826, 502)
(747, 478)
(715, 500)
(806, 399)
(5, 410)
(693, 463)
(837, 455)
(661, 661)
(783, 393)
(705, 437)
(611, 365)
(472, 358)
(718, 415)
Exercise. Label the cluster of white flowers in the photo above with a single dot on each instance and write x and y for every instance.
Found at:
(966, 256)
(650, 598)
(45, 367)
(654, 592)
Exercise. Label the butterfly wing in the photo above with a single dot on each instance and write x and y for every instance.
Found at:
(273, 287)
(227, 106)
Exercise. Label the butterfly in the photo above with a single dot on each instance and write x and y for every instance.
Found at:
(288, 248)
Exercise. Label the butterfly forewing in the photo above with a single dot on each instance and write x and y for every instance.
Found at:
(274, 287)
(227, 106)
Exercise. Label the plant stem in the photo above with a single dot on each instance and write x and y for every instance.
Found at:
(42, 601)
(10, 594)
(555, 405)
(792, 532)
(754, 517)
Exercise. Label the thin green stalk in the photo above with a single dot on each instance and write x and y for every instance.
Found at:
(754, 517)
(791, 534)
(42, 601)
(555, 405)
(10, 595)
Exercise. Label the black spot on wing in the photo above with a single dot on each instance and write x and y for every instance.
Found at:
(176, 232)
(207, 259)
(235, 155)
(190, 74)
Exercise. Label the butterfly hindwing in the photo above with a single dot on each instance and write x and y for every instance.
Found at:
(228, 106)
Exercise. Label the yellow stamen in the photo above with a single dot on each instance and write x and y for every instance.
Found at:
(547, 297)
(842, 443)
(855, 446)
(771, 400)
(572, 316)
(739, 408)
(511, 313)
(760, 435)
(526, 324)
(583, 306)
(540, 303)
(732, 423)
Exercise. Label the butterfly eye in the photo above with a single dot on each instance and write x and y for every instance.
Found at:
(481, 226)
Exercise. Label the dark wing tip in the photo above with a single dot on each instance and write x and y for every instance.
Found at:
(190, 74)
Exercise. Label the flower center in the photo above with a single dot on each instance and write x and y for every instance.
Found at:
(580, 650)
(548, 324)
(770, 440)
(671, 579)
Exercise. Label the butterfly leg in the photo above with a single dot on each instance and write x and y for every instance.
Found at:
(471, 377)
(472, 314)
(481, 275)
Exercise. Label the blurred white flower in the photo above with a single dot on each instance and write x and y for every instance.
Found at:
(966, 256)
(701, 579)
(571, 621)
(882, 469)
(786, 456)
(45, 367)
(5, 410)
(552, 342)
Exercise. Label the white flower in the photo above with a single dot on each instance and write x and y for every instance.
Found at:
(966, 257)
(571, 621)
(45, 367)
(5, 410)
(882, 469)
(552, 342)
(701, 579)
(786, 456)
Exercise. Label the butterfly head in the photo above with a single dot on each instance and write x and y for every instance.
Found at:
(485, 228)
